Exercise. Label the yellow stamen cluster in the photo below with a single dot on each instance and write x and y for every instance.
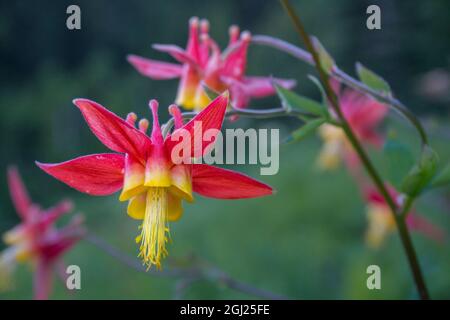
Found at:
(155, 230)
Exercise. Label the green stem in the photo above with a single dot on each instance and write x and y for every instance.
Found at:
(406, 207)
(400, 222)
(248, 113)
(412, 258)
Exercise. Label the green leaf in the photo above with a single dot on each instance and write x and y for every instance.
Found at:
(442, 178)
(305, 130)
(399, 159)
(422, 173)
(372, 80)
(295, 101)
(321, 89)
(326, 61)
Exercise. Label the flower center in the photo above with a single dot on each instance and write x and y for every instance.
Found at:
(154, 227)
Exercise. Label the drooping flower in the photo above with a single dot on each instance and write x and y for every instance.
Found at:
(203, 61)
(381, 221)
(143, 168)
(36, 239)
(364, 115)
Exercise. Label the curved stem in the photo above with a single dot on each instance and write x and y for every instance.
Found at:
(248, 113)
(396, 104)
(400, 222)
(199, 270)
(264, 113)
(344, 78)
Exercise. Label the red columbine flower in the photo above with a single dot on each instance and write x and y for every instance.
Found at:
(381, 221)
(203, 61)
(150, 181)
(364, 114)
(36, 239)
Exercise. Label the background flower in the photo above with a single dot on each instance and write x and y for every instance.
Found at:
(36, 239)
(202, 62)
(364, 115)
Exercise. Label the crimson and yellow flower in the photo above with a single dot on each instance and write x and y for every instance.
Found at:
(203, 61)
(364, 115)
(152, 183)
(35, 239)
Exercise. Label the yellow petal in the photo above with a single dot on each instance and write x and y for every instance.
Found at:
(181, 182)
(127, 195)
(23, 254)
(381, 224)
(333, 149)
(330, 132)
(330, 156)
(133, 179)
(136, 207)
(175, 208)
(187, 88)
(14, 236)
(201, 99)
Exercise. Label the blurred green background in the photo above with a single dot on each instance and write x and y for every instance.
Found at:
(304, 242)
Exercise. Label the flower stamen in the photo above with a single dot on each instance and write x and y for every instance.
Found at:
(143, 125)
(131, 119)
(154, 227)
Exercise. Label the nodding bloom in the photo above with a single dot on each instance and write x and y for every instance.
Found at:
(364, 115)
(36, 239)
(203, 61)
(151, 182)
(381, 221)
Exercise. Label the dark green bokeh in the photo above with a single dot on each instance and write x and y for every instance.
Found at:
(304, 242)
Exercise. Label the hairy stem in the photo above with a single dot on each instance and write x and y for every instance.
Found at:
(373, 173)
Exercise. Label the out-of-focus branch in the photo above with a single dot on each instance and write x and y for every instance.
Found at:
(129, 261)
(190, 272)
